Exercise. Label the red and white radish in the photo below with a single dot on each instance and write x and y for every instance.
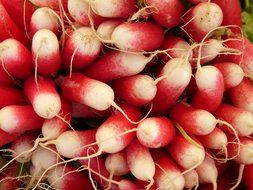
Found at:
(126, 184)
(53, 4)
(106, 28)
(191, 179)
(43, 96)
(155, 132)
(6, 138)
(46, 52)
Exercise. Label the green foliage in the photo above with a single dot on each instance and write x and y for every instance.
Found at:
(247, 19)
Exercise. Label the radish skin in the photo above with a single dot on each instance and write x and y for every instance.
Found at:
(43, 96)
(6, 138)
(191, 179)
(11, 96)
(126, 184)
(53, 4)
(106, 28)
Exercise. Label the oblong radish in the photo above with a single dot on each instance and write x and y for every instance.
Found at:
(106, 28)
(11, 96)
(137, 37)
(46, 52)
(155, 132)
(81, 49)
(191, 179)
(43, 96)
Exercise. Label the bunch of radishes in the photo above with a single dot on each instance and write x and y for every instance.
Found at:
(125, 94)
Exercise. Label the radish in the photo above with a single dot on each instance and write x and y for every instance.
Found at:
(191, 179)
(106, 28)
(193, 120)
(136, 90)
(23, 144)
(16, 59)
(83, 111)
(116, 164)
(79, 10)
(114, 9)
(115, 65)
(247, 176)
(18, 119)
(201, 19)
(126, 184)
(53, 4)
(49, 21)
(6, 138)
(178, 74)
(9, 29)
(167, 174)
(197, 1)
(186, 154)
(6, 79)
(71, 144)
(43, 96)
(67, 177)
(11, 96)
(137, 37)
(242, 95)
(46, 52)
(178, 48)
(155, 132)
(241, 120)
(139, 157)
(232, 73)
(21, 13)
(81, 49)
(167, 13)
(52, 128)
(109, 136)
(208, 172)
(210, 85)
(8, 178)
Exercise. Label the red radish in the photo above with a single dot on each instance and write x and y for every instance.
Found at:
(71, 144)
(46, 52)
(52, 128)
(167, 174)
(6, 138)
(11, 96)
(83, 111)
(116, 164)
(9, 29)
(42, 159)
(138, 158)
(167, 13)
(114, 9)
(21, 13)
(191, 179)
(208, 172)
(109, 136)
(245, 153)
(126, 184)
(210, 49)
(115, 64)
(43, 96)
(193, 120)
(197, 1)
(67, 177)
(242, 95)
(178, 47)
(106, 28)
(135, 90)
(231, 10)
(8, 178)
(18, 119)
(217, 140)
(178, 72)
(155, 132)
(23, 144)
(53, 4)
(210, 85)
(186, 154)
(201, 19)
(232, 73)
(248, 176)
(5, 78)
(16, 59)
(81, 49)
(79, 10)
(241, 120)
(50, 21)
(137, 37)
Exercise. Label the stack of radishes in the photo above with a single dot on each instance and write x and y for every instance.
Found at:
(125, 94)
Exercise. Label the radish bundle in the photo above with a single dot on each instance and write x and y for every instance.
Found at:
(125, 95)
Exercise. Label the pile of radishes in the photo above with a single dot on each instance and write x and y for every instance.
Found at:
(125, 94)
